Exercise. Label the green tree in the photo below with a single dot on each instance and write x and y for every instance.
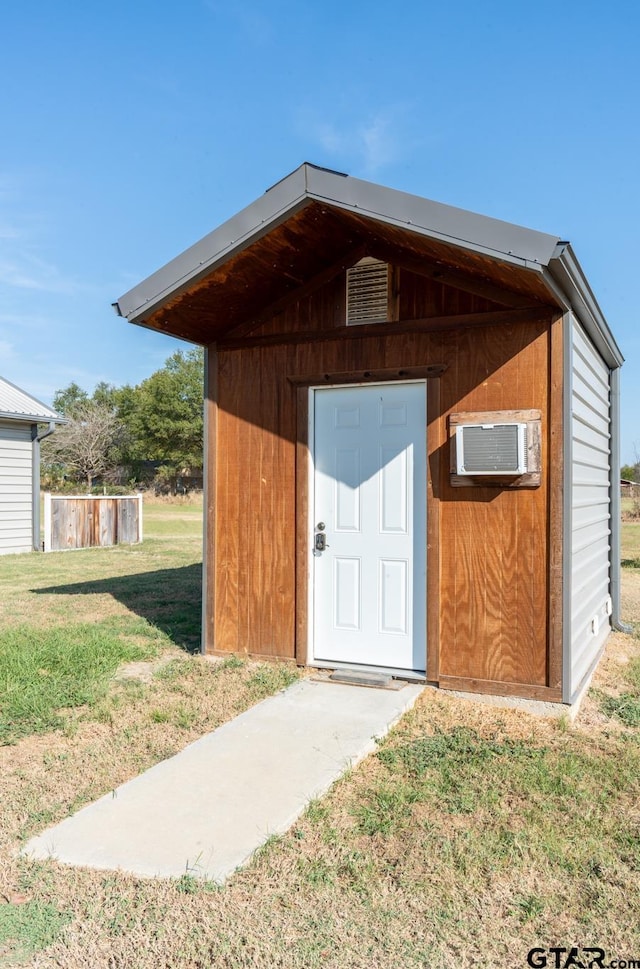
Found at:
(164, 414)
(160, 421)
(108, 395)
(629, 472)
(66, 401)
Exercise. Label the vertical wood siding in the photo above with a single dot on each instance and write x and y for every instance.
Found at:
(15, 487)
(494, 542)
(490, 594)
(590, 505)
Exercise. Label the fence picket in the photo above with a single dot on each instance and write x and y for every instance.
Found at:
(90, 521)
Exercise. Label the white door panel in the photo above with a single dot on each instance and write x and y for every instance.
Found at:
(370, 494)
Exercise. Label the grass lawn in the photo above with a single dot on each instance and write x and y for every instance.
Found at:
(630, 540)
(473, 835)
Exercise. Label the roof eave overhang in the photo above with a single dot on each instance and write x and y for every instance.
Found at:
(565, 278)
(32, 418)
(239, 232)
(43, 416)
(458, 228)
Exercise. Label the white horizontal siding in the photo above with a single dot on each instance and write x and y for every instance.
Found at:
(13, 481)
(588, 442)
(589, 513)
(15, 487)
(589, 476)
(15, 460)
(14, 511)
(590, 396)
(11, 445)
(586, 537)
(590, 506)
(15, 431)
(15, 549)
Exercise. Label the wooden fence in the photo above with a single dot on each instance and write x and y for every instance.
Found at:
(89, 521)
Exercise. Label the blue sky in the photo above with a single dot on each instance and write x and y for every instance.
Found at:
(130, 129)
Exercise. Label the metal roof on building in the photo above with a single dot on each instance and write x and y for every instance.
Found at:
(539, 255)
(17, 405)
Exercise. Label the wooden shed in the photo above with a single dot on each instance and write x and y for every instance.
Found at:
(20, 436)
(411, 438)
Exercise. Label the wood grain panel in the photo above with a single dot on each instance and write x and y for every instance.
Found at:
(280, 480)
(255, 506)
(451, 284)
(90, 522)
(209, 565)
(532, 691)
(382, 238)
(494, 588)
(252, 552)
(533, 663)
(332, 274)
(451, 321)
(312, 240)
(435, 444)
(488, 547)
(228, 502)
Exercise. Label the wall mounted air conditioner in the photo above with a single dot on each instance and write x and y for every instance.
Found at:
(491, 449)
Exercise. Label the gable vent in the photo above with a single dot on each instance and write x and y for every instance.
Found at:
(368, 292)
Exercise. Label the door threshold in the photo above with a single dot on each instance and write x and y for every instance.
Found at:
(370, 681)
(409, 676)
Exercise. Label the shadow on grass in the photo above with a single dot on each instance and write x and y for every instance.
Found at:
(169, 599)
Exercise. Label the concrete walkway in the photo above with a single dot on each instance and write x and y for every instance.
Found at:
(206, 810)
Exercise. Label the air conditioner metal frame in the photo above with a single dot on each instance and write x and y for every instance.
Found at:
(527, 473)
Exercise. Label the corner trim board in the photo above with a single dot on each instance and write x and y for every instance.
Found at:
(556, 431)
(435, 442)
(302, 526)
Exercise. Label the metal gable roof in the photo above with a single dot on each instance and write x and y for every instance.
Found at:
(17, 405)
(545, 255)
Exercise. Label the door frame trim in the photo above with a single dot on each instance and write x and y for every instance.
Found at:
(305, 469)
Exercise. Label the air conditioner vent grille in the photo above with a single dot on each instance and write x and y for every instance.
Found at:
(493, 449)
(368, 292)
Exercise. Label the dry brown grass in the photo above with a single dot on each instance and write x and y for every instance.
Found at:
(429, 892)
(192, 499)
(434, 890)
(538, 847)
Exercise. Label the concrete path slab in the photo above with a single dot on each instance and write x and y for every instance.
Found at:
(206, 810)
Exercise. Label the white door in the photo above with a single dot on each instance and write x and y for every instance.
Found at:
(369, 509)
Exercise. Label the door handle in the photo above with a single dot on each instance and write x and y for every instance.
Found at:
(320, 542)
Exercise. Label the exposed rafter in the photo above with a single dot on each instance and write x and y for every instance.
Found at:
(448, 277)
(341, 265)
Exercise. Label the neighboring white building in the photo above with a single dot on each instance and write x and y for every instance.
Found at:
(20, 415)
